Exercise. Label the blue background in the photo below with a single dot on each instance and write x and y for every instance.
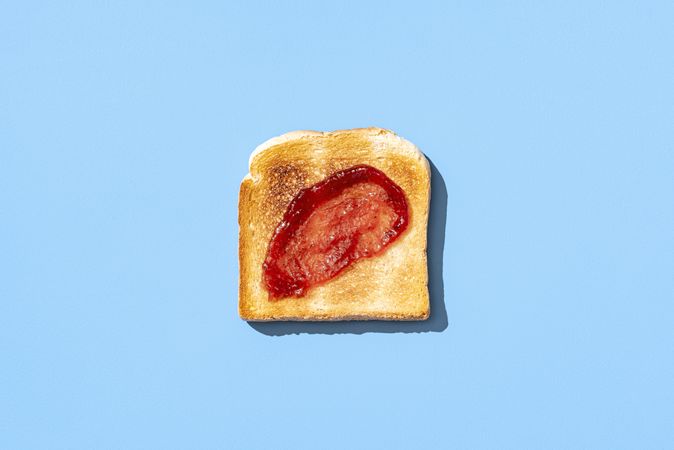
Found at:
(125, 129)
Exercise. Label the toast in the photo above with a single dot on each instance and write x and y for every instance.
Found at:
(390, 286)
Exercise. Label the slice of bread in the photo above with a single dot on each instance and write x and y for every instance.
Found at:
(390, 286)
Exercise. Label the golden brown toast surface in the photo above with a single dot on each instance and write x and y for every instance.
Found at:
(390, 286)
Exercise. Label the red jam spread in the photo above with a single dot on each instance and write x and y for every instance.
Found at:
(355, 213)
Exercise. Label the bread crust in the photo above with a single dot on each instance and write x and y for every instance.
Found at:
(391, 286)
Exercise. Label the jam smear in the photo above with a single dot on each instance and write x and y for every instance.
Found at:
(355, 213)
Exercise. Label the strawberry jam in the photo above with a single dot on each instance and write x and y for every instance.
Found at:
(355, 213)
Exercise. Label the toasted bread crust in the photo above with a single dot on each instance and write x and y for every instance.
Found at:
(392, 286)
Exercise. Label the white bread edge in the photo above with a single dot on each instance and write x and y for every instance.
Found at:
(405, 146)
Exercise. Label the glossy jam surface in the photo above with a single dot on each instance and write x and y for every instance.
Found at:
(355, 213)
